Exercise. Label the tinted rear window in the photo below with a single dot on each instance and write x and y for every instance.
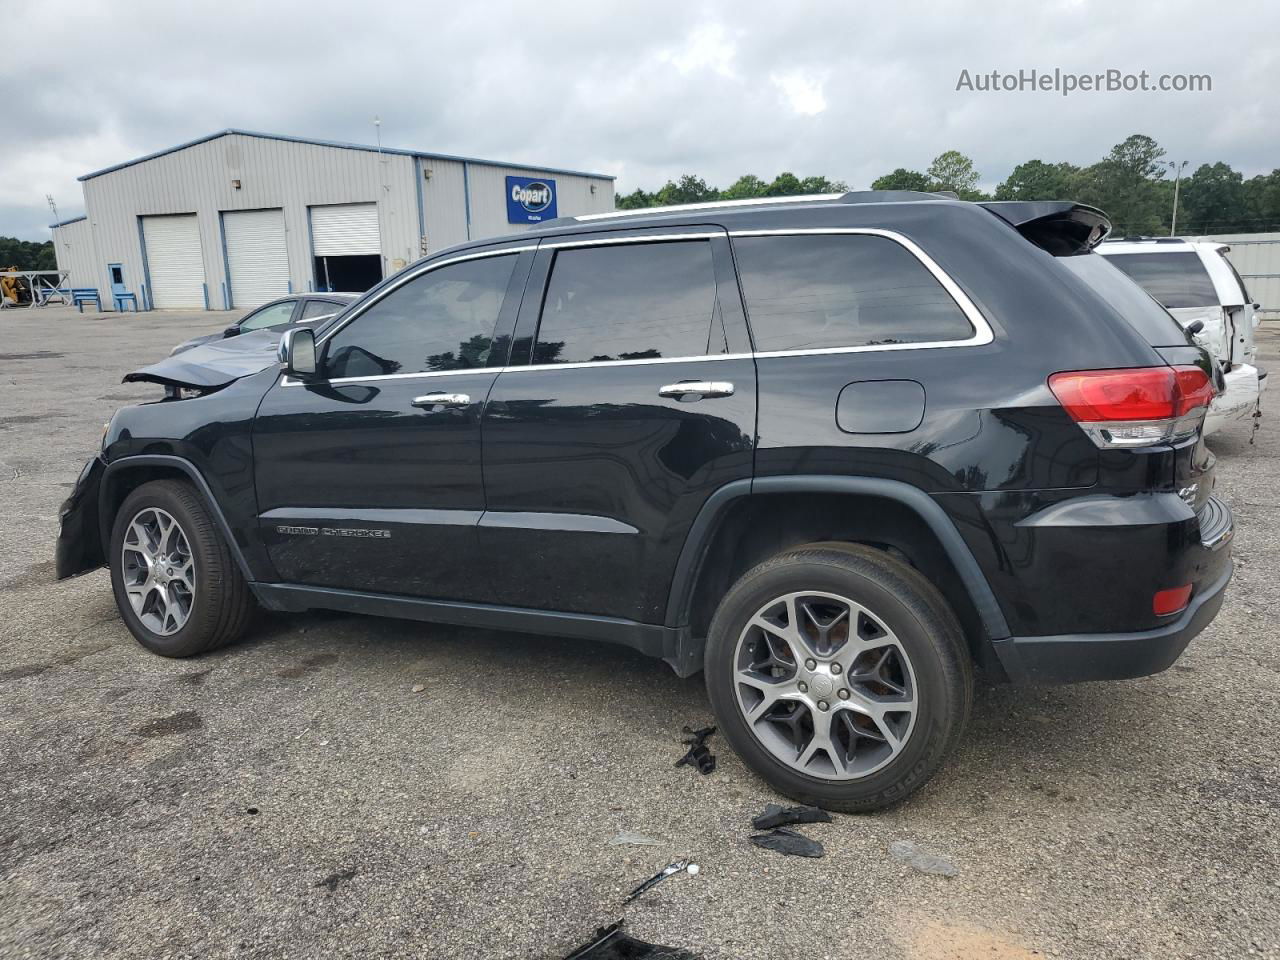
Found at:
(1128, 299)
(629, 302)
(813, 292)
(1175, 279)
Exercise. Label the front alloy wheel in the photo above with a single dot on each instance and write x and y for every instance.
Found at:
(825, 685)
(158, 571)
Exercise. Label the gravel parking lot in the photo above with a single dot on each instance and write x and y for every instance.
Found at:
(292, 796)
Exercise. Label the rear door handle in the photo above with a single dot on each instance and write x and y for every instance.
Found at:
(442, 400)
(696, 389)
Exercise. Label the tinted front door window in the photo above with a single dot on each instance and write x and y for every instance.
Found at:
(276, 315)
(442, 320)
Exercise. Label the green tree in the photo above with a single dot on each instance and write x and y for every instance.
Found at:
(901, 179)
(822, 185)
(27, 254)
(688, 189)
(1125, 184)
(1212, 200)
(1262, 201)
(744, 188)
(954, 171)
(1037, 180)
(635, 200)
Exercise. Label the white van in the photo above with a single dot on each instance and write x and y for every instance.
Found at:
(1195, 281)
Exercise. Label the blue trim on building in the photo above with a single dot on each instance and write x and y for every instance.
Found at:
(233, 131)
(419, 171)
(146, 266)
(205, 286)
(226, 266)
(311, 254)
(466, 194)
(63, 223)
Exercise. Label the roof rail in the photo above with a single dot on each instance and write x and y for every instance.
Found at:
(853, 196)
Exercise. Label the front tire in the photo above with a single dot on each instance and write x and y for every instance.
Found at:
(175, 582)
(839, 675)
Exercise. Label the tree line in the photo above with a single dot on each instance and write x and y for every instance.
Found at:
(1133, 184)
(27, 254)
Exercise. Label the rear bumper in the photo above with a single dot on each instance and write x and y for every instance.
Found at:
(1237, 402)
(1071, 658)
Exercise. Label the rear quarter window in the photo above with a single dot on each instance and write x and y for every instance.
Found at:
(1127, 298)
(810, 292)
(1175, 279)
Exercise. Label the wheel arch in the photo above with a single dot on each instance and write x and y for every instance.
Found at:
(126, 474)
(747, 521)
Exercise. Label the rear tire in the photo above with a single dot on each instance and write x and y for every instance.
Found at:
(840, 675)
(175, 581)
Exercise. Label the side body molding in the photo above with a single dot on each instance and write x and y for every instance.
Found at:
(703, 530)
(202, 485)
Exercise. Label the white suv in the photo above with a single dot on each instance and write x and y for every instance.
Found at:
(1195, 281)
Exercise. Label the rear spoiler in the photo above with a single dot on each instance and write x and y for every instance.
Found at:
(1061, 227)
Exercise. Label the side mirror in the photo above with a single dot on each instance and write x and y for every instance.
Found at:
(231, 331)
(1194, 327)
(298, 351)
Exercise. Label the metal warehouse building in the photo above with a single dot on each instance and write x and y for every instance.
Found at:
(236, 218)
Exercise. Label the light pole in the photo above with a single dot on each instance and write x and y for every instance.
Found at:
(1177, 169)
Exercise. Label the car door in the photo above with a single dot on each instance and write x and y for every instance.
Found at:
(368, 475)
(630, 398)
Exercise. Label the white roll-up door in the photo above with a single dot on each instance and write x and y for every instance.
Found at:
(257, 257)
(345, 230)
(175, 262)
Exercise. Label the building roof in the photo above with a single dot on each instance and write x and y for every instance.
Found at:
(345, 146)
(63, 223)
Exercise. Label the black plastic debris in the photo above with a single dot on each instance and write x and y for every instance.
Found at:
(610, 943)
(779, 816)
(788, 842)
(698, 755)
(679, 866)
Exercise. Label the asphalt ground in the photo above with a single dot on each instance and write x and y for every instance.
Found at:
(292, 796)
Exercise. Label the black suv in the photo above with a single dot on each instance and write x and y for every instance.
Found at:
(840, 453)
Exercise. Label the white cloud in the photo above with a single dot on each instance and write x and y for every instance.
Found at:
(646, 91)
(800, 91)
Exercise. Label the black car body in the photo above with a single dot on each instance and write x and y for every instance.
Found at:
(279, 315)
(658, 403)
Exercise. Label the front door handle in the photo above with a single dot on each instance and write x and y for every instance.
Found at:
(442, 400)
(696, 389)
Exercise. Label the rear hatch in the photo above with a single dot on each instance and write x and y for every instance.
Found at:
(1071, 232)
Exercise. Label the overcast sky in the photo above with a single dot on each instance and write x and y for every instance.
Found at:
(645, 91)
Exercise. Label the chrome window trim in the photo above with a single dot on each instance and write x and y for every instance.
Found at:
(982, 332)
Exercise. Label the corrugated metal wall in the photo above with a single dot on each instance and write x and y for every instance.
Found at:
(1256, 257)
(73, 246)
(294, 176)
(272, 173)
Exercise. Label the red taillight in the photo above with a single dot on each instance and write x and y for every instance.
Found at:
(1135, 405)
(1170, 601)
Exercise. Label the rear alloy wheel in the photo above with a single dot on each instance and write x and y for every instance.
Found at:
(826, 687)
(839, 674)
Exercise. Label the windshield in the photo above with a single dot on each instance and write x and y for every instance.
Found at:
(1175, 279)
(1128, 299)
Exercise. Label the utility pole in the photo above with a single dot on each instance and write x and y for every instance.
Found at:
(1177, 169)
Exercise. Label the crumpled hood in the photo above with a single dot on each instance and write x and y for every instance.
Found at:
(213, 365)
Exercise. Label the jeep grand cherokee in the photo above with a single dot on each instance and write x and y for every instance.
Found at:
(839, 453)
